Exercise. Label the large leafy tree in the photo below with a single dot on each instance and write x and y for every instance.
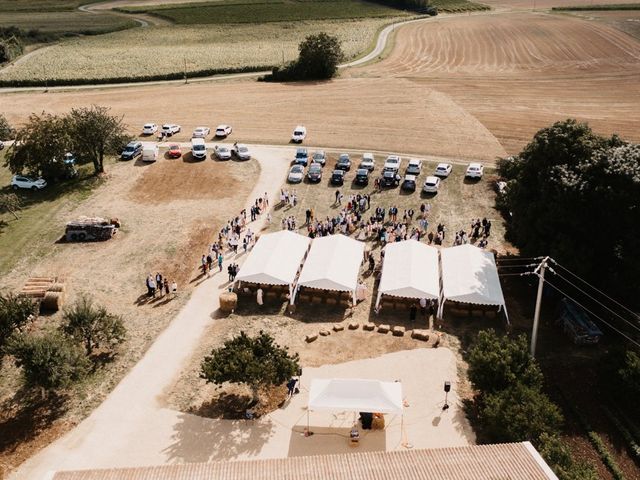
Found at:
(93, 325)
(49, 362)
(497, 362)
(15, 313)
(40, 146)
(320, 55)
(96, 133)
(256, 362)
(575, 196)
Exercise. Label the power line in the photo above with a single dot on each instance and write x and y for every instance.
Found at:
(514, 274)
(501, 259)
(598, 302)
(590, 312)
(519, 266)
(597, 290)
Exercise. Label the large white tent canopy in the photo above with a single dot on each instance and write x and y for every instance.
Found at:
(410, 270)
(275, 259)
(470, 275)
(333, 263)
(355, 395)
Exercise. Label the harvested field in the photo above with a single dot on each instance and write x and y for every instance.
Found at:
(517, 73)
(389, 114)
(627, 21)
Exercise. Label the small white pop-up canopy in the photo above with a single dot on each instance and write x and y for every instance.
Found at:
(333, 263)
(275, 259)
(469, 275)
(410, 270)
(355, 395)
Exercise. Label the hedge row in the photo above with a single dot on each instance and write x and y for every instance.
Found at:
(628, 6)
(56, 82)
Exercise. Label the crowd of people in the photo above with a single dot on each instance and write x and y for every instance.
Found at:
(159, 285)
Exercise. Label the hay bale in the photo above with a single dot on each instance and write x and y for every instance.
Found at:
(384, 328)
(52, 301)
(369, 326)
(420, 335)
(311, 338)
(228, 302)
(398, 331)
(57, 287)
(354, 325)
(325, 333)
(337, 327)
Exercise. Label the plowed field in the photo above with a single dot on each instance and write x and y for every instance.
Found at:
(517, 73)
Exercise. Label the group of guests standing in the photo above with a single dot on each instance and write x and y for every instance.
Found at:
(159, 285)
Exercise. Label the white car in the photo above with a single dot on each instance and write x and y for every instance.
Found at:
(431, 185)
(223, 130)
(392, 163)
(149, 128)
(170, 129)
(414, 167)
(443, 170)
(222, 152)
(474, 170)
(296, 174)
(201, 132)
(241, 151)
(19, 181)
(368, 161)
(299, 134)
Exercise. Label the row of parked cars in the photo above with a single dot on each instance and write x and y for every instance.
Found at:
(389, 178)
(170, 129)
(149, 152)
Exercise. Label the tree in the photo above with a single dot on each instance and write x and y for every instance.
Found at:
(10, 48)
(257, 362)
(93, 325)
(50, 361)
(593, 184)
(6, 132)
(10, 202)
(39, 147)
(15, 313)
(96, 133)
(497, 362)
(319, 57)
(519, 413)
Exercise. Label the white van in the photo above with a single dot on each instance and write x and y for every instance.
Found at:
(198, 148)
(150, 153)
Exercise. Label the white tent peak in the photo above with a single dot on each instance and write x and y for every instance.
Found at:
(355, 395)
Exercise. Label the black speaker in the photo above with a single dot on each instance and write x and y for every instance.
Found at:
(447, 387)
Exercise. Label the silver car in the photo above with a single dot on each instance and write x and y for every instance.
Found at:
(222, 152)
(296, 174)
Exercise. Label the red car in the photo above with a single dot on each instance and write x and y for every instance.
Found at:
(174, 151)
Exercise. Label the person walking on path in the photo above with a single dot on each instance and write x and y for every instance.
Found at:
(220, 259)
(259, 297)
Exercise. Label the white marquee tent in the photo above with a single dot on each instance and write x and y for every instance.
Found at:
(410, 270)
(355, 395)
(275, 259)
(333, 263)
(470, 275)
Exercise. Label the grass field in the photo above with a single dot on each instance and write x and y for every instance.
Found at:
(60, 23)
(41, 5)
(112, 55)
(258, 11)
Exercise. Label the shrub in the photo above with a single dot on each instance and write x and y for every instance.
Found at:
(6, 132)
(15, 313)
(558, 457)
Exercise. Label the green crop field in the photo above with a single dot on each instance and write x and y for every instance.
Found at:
(41, 5)
(259, 11)
(59, 23)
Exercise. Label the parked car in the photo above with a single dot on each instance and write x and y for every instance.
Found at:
(409, 183)
(392, 163)
(69, 159)
(344, 162)
(223, 131)
(474, 170)
(362, 176)
(222, 152)
(198, 149)
(443, 170)
(315, 173)
(414, 167)
(431, 185)
(174, 151)
(201, 132)
(149, 128)
(299, 134)
(296, 174)
(150, 153)
(131, 151)
(319, 157)
(302, 156)
(241, 151)
(390, 178)
(170, 129)
(20, 181)
(501, 187)
(368, 161)
(337, 177)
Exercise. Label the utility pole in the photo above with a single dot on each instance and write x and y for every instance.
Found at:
(540, 269)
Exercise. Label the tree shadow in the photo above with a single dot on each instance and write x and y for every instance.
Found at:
(83, 184)
(197, 439)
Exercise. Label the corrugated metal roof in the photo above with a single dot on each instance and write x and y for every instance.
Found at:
(511, 461)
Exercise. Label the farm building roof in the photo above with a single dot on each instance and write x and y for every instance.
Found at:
(513, 461)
